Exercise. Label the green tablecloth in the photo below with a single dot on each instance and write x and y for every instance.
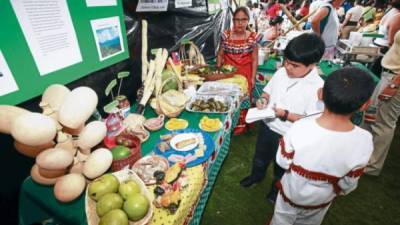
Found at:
(37, 202)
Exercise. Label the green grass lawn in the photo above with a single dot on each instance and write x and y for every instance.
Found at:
(376, 201)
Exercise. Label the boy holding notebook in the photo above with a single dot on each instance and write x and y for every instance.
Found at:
(292, 92)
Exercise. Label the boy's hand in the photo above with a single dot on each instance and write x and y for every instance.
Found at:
(261, 103)
(279, 112)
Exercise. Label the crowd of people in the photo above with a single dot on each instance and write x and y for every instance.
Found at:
(310, 172)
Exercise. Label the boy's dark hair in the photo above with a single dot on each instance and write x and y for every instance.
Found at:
(347, 89)
(306, 49)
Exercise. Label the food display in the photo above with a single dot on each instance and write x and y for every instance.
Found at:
(121, 197)
(191, 146)
(147, 167)
(176, 124)
(169, 187)
(209, 104)
(210, 125)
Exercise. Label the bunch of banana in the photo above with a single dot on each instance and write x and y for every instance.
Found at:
(210, 125)
(193, 79)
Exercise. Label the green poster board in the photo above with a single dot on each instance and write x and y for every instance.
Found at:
(20, 60)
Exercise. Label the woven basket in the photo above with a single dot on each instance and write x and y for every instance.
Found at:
(122, 175)
(190, 54)
(159, 108)
(135, 155)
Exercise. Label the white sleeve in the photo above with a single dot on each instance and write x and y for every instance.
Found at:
(349, 182)
(268, 88)
(285, 153)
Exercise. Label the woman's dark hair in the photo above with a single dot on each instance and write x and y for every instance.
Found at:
(306, 49)
(275, 21)
(241, 9)
(346, 90)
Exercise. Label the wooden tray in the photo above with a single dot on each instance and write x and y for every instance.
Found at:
(218, 76)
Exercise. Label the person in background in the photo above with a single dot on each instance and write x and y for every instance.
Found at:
(326, 24)
(347, 5)
(273, 10)
(239, 48)
(314, 6)
(304, 9)
(388, 27)
(368, 10)
(367, 26)
(292, 93)
(252, 22)
(274, 31)
(387, 103)
(324, 157)
(351, 20)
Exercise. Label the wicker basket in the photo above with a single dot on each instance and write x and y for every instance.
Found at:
(190, 54)
(122, 175)
(135, 155)
(159, 108)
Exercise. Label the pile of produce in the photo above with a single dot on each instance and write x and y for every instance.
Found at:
(169, 187)
(60, 139)
(176, 124)
(209, 105)
(118, 202)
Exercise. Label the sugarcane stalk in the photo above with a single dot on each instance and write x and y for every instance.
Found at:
(145, 62)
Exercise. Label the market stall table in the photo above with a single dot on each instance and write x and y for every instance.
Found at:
(37, 202)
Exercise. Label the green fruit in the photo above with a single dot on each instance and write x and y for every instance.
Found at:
(107, 183)
(120, 152)
(108, 202)
(128, 188)
(114, 217)
(172, 84)
(136, 206)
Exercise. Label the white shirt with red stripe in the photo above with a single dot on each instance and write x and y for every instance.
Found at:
(319, 160)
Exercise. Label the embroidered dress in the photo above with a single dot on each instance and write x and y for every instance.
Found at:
(238, 53)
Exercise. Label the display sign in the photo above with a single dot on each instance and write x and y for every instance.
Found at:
(56, 41)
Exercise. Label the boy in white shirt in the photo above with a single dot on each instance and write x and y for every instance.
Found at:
(292, 92)
(325, 156)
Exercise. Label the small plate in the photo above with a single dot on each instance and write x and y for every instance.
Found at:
(185, 122)
(211, 130)
(185, 136)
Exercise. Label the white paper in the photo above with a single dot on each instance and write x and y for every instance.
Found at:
(7, 82)
(108, 37)
(152, 6)
(255, 114)
(183, 3)
(94, 3)
(49, 32)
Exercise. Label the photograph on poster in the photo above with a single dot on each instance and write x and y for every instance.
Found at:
(7, 82)
(107, 33)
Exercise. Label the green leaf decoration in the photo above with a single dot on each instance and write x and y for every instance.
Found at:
(110, 86)
(123, 74)
(109, 108)
(185, 41)
(154, 51)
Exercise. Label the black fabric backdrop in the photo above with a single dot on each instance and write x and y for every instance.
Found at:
(165, 30)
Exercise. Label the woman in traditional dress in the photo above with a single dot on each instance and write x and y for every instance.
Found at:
(239, 48)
